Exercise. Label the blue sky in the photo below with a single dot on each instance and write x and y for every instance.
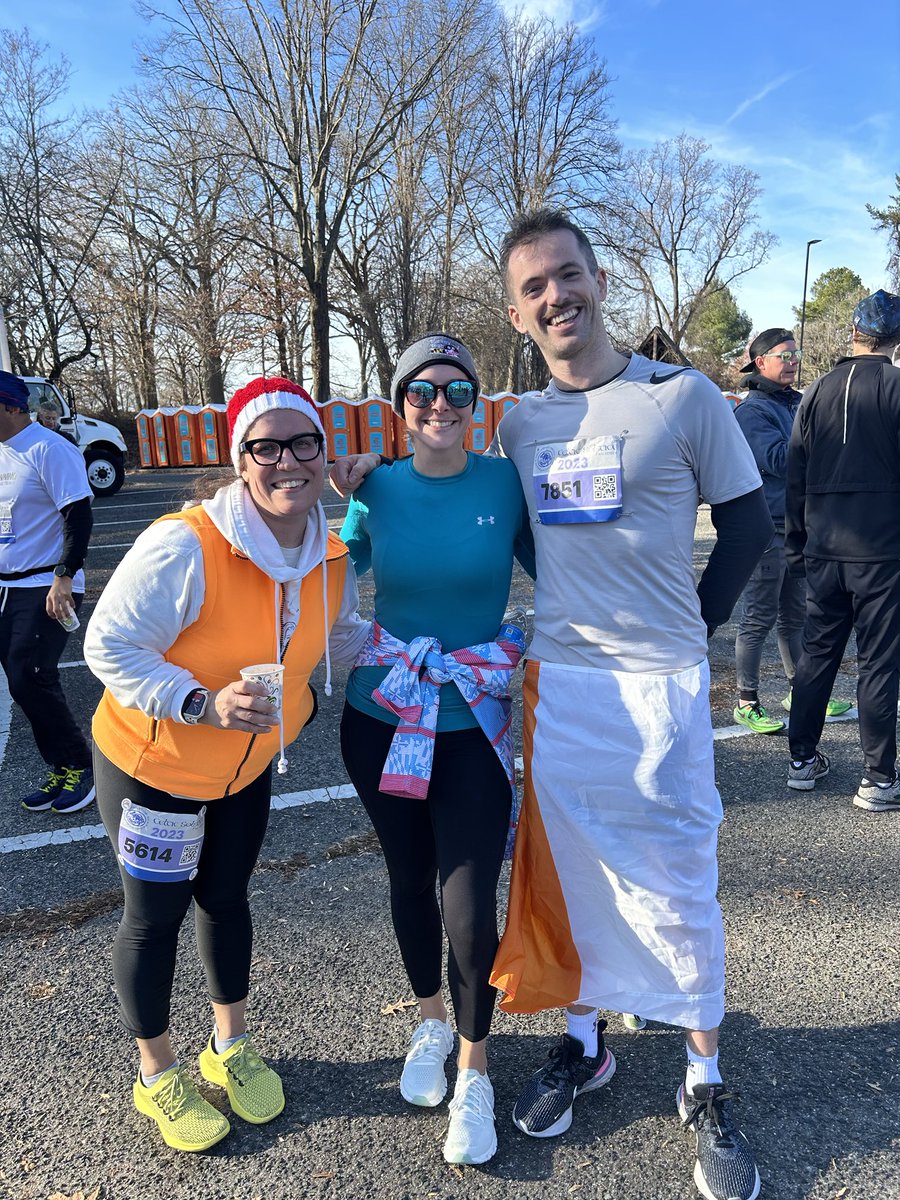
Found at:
(806, 93)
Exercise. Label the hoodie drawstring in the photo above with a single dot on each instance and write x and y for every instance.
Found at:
(282, 761)
(325, 609)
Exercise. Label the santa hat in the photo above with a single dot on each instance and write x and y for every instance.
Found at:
(265, 395)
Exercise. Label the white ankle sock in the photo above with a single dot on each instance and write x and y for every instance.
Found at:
(220, 1045)
(701, 1070)
(584, 1027)
(149, 1080)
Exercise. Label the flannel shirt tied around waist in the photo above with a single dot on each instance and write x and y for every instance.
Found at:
(411, 691)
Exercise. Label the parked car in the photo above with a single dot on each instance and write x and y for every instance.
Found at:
(101, 444)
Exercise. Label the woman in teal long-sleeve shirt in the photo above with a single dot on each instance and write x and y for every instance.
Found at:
(439, 531)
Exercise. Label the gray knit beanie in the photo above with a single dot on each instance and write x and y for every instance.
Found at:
(426, 352)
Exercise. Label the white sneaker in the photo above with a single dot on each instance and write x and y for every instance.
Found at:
(423, 1080)
(471, 1137)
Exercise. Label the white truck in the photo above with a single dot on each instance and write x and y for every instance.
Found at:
(101, 444)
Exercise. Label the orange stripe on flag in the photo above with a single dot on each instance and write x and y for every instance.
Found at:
(537, 964)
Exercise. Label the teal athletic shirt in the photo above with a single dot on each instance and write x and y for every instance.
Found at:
(441, 552)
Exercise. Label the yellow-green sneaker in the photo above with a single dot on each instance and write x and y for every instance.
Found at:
(834, 708)
(185, 1119)
(254, 1090)
(755, 717)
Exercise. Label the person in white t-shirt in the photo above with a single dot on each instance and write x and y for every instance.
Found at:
(615, 874)
(45, 526)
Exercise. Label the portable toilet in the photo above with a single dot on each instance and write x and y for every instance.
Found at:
(339, 420)
(146, 441)
(481, 430)
(184, 439)
(501, 404)
(212, 431)
(160, 436)
(375, 426)
(403, 446)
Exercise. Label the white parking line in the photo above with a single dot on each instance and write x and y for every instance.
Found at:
(5, 714)
(344, 791)
(133, 504)
(87, 833)
(119, 521)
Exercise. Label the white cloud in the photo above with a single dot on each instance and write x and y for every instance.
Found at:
(817, 186)
(761, 94)
(562, 12)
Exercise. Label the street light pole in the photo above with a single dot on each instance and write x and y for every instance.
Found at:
(813, 242)
(5, 364)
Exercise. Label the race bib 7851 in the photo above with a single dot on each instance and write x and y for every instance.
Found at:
(578, 481)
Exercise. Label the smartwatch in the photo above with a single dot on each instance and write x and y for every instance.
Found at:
(194, 706)
(61, 571)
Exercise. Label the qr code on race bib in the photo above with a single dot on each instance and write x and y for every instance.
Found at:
(604, 487)
(190, 853)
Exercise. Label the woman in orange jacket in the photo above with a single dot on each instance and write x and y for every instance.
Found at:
(183, 745)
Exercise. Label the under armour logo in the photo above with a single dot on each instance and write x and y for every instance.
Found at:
(485, 520)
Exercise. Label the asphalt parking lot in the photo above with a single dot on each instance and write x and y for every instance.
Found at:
(808, 887)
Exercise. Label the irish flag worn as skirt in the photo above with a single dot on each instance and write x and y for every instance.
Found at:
(613, 892)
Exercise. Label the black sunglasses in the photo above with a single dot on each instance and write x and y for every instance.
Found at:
(267, 452)
(458, 392)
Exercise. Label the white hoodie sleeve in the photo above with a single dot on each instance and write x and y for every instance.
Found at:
(156, 591)
(349, 632)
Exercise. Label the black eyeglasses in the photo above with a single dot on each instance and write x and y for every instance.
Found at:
(458, 392)
(267, 452)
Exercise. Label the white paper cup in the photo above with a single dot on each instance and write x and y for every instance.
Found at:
(271, 676)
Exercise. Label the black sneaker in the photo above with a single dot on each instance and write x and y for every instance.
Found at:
(77, 790)
(42, 797)
(725, 1168)
(544, 1108)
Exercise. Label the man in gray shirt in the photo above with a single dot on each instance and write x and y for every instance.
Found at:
(613, 899)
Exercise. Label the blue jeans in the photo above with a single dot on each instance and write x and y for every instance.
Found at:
(772, 599)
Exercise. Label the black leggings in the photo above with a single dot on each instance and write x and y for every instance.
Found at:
(147, 937)
(458, 835)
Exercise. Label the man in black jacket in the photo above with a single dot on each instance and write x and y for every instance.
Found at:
(842, 527)
(773, 598)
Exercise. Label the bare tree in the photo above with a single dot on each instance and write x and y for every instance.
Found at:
(47, 229)
(684, 227)
(328, 81)
(549, 138)
(888, 220)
